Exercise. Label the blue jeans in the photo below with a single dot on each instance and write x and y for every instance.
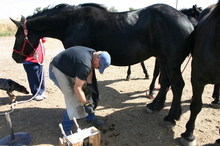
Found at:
(66, 123)
(52, 76)
(35, 74)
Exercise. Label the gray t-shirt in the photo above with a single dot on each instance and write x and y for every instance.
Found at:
(75, 61)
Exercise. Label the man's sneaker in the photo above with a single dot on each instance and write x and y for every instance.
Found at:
(43, 95)
(38, 98)
(95, 122)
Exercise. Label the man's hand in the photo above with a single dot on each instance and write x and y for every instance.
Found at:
(89, 108)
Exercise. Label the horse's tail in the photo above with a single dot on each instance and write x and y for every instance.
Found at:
(190, 41)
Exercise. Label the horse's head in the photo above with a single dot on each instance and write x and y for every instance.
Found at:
(197, 11)
(25, 42)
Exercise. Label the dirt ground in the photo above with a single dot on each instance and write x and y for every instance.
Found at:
(121, 106)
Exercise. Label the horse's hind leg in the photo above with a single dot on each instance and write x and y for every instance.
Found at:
(128, 73)
(216, 96)
(145, 70)
(158, 102)
(195, 108)
(176, 81)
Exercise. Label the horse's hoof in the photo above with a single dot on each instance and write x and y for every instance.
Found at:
(150, 96)
(217, 142)
(127, 79)
(215, 105)
(147, 77)
(168, 124)
(149, 111)
(185, 142)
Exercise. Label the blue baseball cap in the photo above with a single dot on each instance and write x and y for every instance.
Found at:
(105, 61)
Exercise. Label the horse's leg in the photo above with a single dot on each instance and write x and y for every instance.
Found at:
(128, 73)
(195, 107)
(145, 70)
(158, 102)
(216, 96)
(177, 85)
(155, 75)
(176, 81)
(95, 96)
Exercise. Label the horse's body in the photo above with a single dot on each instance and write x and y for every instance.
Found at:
(205, 64)
(129, 37)
(193, 14)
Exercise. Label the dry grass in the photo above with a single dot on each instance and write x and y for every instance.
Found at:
(7, 27)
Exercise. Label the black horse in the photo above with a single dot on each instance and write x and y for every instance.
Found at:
(130, 37)
(205, 64)
(193, 14)
(205, 13)
(216, 93)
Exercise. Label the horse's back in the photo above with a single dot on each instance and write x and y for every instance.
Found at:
(157, 30)
(206, 12)
(169, 27)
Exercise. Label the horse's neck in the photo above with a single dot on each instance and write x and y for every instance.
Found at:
(45, 27)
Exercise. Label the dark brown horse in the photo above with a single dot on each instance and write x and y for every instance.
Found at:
(205, 66)
(130, 37)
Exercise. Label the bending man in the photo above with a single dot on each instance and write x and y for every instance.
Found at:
(70, 70)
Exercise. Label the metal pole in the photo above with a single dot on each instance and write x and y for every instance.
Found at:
(10, 125)
(176, 3)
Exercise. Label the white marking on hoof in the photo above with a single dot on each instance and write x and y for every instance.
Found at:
(185, 142)
(149, 111)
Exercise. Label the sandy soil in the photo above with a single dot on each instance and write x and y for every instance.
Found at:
(121, 106)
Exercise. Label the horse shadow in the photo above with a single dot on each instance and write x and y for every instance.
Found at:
(42, 123)
(127, 124)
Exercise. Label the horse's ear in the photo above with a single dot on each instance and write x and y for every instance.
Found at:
(17, 23)
(22, 19)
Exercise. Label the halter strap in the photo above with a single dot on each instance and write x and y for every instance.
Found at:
(25, 42)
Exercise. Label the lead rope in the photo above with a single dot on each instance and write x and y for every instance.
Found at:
(18, 102)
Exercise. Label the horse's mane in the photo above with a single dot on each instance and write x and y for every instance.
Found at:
(63, 8)
(185, 10)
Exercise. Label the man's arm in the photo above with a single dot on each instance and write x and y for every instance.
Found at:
(81, 96)
(78, 90)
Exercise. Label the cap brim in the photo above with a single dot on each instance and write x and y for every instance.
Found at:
(101, 69)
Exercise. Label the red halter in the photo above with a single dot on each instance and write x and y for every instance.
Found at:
(25, 42)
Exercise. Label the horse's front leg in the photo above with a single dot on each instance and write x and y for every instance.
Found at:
(128, 73)
(216, 96)
(95, 95)
(187, 138)
(145, 70)
(155, 75)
